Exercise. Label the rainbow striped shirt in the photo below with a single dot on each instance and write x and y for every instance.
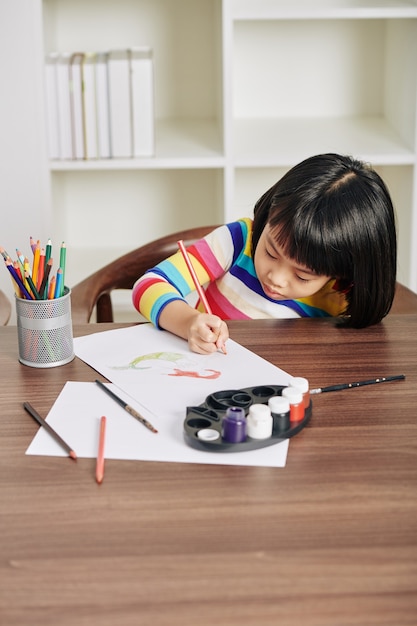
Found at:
(224, 265)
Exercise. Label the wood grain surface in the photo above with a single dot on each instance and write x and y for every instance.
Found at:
(329, 540)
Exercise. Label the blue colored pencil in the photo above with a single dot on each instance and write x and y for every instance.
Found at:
(16, 277)
(58, 283)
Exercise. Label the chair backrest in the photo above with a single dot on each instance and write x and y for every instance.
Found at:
(95, 290)
(5, 309)
(405, 300)
(122, 273)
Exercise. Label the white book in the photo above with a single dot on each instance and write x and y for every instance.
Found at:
(90, 108)
(120, 104)
(102, 102)
(77, 105)
(64, 111)
(142, 101)
(51, 95)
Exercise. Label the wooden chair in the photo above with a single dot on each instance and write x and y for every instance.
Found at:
(5, 309)
(122, 273)
(405, 300)
(95, 290)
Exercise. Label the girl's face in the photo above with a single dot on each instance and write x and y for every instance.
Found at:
(281, 277)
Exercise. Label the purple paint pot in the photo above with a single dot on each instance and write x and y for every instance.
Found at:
(234, 425)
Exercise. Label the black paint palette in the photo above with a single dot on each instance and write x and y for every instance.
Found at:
(203, 423)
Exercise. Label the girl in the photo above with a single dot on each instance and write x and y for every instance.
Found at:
(322, 243)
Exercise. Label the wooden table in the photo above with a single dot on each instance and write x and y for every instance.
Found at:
(330, 540)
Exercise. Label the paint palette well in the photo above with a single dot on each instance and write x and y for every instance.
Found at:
(203, 423)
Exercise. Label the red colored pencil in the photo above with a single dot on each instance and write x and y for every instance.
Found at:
(199, 288)
(191, 269)
(100, 454)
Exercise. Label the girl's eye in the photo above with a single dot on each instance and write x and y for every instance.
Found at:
(303, 280)
(269, 254)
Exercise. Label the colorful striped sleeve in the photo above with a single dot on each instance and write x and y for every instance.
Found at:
(170, 280)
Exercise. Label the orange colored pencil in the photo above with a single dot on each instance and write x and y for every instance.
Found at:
(100, 454)
(41, 268)
(51, 291)
(35, 267)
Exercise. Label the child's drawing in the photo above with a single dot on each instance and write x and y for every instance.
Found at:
(170, 364)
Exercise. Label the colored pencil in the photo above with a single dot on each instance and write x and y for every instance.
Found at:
(62, 262)
(196, 282)
(15, 276)
(4, 254)
(32, 283)
(100, 454)
(58, 283)
(48, 250)
(41, 269)
(51, 291)
(33, 289)
(35, 266)
(26, 265)
(361, 383)
(16, 287)
(43, 289)
(48, 254)
(21, 261)
(126, 407)
(29, 408)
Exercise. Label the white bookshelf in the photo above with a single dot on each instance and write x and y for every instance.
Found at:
(244, 89)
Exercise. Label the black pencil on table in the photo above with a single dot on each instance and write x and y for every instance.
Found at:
(127, 407)
(29, 408)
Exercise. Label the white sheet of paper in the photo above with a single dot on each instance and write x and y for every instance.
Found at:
(157, 374)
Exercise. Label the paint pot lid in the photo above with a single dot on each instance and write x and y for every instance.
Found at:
(279, 404)
(294, 394)
(208, 434)
(300, 383)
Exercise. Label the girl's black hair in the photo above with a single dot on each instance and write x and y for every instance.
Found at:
(334, 215)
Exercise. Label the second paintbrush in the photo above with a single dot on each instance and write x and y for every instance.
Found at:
(126, 406)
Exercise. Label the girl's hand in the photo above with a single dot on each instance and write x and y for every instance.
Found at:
(207, 333)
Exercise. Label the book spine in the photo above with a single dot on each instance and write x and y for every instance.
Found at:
(119, 104)
(142, 102)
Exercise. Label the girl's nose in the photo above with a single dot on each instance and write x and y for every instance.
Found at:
(279, 278)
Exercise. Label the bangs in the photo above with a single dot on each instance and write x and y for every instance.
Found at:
(309, 238)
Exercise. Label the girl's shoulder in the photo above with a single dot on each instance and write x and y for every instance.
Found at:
(243, 225)
(236, 234)
(226, 243)
(241, 232)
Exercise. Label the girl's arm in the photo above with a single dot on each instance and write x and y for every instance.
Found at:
(171, 281)
(160, 294)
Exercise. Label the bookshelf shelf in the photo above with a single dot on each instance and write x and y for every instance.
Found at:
(321, 10)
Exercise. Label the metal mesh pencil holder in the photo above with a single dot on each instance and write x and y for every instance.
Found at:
(44, 329)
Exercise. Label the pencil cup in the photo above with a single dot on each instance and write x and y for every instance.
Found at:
(44, 329)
